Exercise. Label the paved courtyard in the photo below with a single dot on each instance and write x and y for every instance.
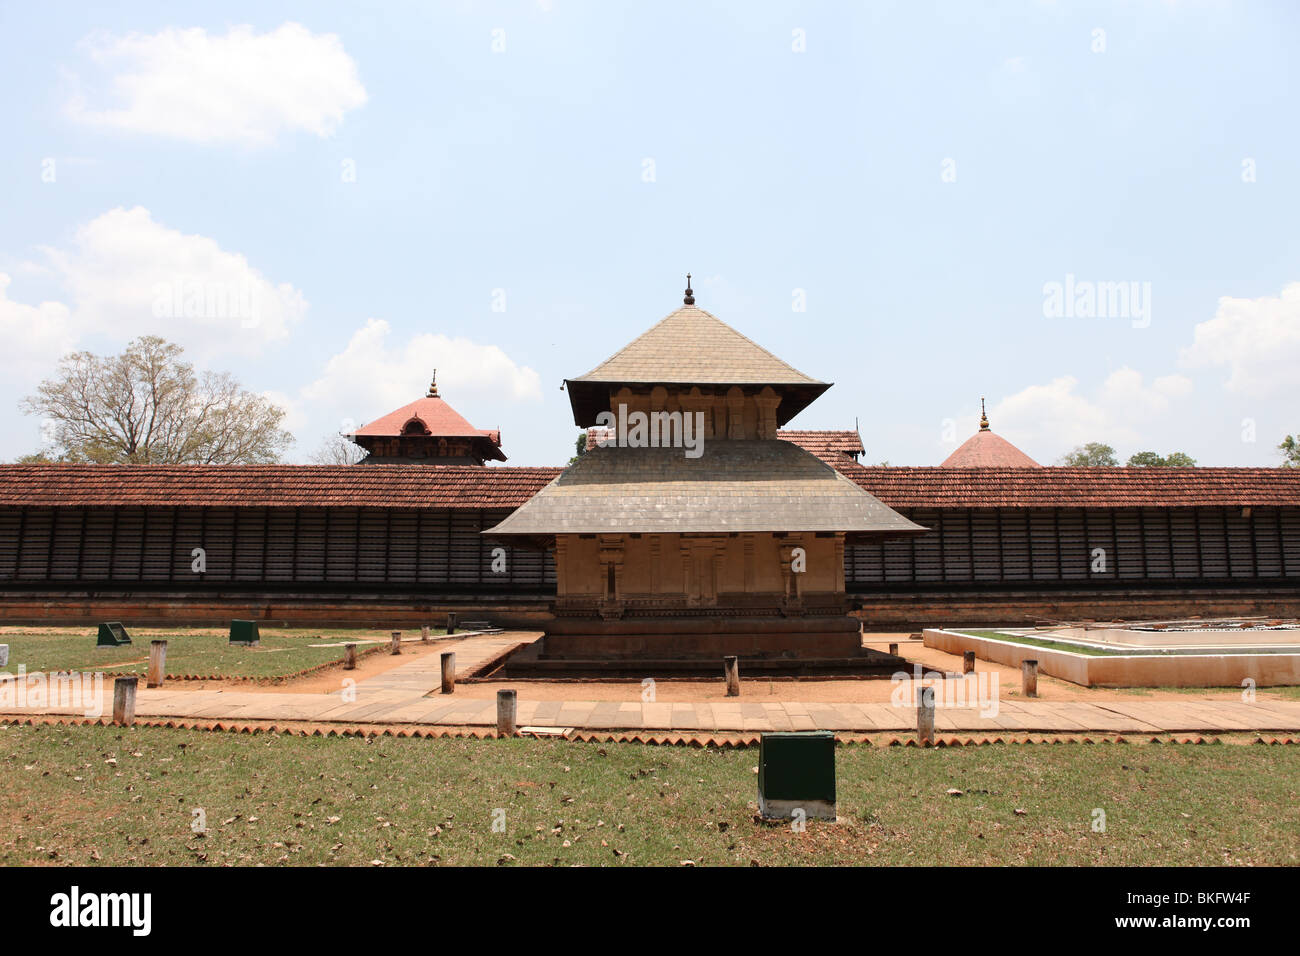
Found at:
(410, 694)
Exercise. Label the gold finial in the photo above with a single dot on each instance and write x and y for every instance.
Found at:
(433, 386)
(690, 296)
(984, 419)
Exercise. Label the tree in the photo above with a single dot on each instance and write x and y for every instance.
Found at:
(580, 446)
(1092, 455)
(147, 406)
(1149, 459)
(337, 450)
(1290, 449)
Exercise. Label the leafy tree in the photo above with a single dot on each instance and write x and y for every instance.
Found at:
(1092, 455)
(147, 406)
(1149, 459)
(1290, 449)
(337, 450)
(579, 446)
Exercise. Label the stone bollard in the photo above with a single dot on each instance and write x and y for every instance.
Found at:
(124, 700)
(893, 649)
(507, 706)
(925, 717)
(4, 655)
(448, 660)
(397, 642)
(157, 663)
(424, 634)
(731, 670)
(349, 657)
(968, 662)
(451, 622)
(1029, 678)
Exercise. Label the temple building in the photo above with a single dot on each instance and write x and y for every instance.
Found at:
(428, 431)
(649, 549)
(708, 534)
(984, 449)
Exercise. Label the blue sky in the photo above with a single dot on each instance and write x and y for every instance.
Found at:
(510, 192)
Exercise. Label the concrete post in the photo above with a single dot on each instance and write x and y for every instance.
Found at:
(349, 657)
(925, 717)
(968, 662)
(397, 643)
(157, 663)
(507, 707)
(448, 661)
(1029, 678)
(424, 634)
(731, 671)
(124, 700)
(451, 622)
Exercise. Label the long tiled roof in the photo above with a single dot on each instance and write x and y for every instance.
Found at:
(371, 486)
(735, 486)
(939, 487)
(452, 486)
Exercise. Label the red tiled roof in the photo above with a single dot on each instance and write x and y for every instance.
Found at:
(441, 419)
(987, 450)
(466, 486)
(369, 486)
(824, 443)
(1038, 487)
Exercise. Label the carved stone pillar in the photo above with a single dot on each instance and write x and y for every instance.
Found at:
(735, 413)
(767, 402)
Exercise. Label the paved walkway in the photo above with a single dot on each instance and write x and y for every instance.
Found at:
(409, 694)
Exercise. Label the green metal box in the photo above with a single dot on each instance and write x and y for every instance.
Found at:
(244, 632)
(796, 771)
(112, 634)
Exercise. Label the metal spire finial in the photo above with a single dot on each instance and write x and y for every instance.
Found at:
(984, 418)
(690, 296)
(433, 386)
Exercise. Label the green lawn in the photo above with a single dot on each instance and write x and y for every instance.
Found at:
(1104, 652)
(194, 651)
(105, 795)
(1040, 642)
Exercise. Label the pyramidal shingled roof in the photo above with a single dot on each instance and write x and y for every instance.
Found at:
(694, 347)
(691, 347)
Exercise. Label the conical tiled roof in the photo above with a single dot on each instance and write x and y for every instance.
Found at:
(438, 418)
(691, 347)
(987, 450)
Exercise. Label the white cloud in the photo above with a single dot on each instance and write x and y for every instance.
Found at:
(129, 275)
(34, 336)
(242, 87)
(1055, 417)
(1257, 339)
(372, 376)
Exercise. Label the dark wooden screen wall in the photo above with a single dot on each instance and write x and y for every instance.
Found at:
(303, 548)
(994, 546)
(441, 551)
